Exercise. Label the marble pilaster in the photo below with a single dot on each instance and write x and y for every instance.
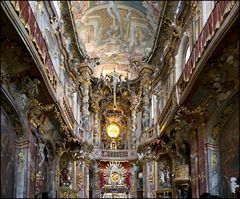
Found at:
(96, 134)
(80, 178)
(202, 163)
(148, 178)
(21, 169)
(213, 163)
(86, 179)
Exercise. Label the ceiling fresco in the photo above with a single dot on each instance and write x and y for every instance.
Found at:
(116, 31)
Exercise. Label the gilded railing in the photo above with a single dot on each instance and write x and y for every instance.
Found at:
(114, 154)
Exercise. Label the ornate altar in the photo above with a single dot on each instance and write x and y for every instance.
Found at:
(182, 180)
(115, 181)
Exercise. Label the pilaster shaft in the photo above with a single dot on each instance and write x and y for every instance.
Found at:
(96, 137)
(21, 171)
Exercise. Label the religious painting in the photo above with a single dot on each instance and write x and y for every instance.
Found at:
(7, 157)
(229, 150)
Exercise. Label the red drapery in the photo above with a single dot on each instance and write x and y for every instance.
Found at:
(213, 23)
(28, 19)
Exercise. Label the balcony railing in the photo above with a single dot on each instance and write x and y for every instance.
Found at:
(216, 18)
(115, 154)
(148, 136)
(213, 23)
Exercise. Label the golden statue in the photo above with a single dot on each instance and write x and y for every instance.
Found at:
(214, 162)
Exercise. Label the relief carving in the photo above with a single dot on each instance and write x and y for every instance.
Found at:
(223, 77)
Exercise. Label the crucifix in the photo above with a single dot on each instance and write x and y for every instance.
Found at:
(116, 79)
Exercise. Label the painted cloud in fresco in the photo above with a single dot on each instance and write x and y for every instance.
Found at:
(116, 29)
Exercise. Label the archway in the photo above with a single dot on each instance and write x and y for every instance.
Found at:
(14, 153)
(7, 156)
(223, 148)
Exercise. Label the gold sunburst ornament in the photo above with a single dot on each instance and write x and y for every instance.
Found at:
(113, 130)
(114, 174)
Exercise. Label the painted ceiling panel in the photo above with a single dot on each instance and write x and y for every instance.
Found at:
(116, 31)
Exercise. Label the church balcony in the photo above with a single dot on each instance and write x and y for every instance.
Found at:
(148, 136)
(23, 15)
(102, 154)
(216, 26)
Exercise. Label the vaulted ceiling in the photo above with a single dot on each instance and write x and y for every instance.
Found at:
(116, 31)
(119, 34)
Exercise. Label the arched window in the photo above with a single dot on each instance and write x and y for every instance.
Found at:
(181, 57)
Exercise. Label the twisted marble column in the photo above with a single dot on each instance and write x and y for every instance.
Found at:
(133, 133)
(135, 103)
(85, 77)
(146, 73)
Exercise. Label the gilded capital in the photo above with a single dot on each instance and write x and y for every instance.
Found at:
(84, 68)
(146, 69)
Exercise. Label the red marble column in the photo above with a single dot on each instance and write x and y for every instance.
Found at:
(194, 164)
(202, 158)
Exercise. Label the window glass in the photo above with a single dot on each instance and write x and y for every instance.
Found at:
(57, 6)
(207, 7)
(153, 105)
(187, 54)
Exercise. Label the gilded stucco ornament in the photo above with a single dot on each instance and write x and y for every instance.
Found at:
(214, 162)
(16, 121)
(36, 109)
(20, 159)
(228, 109)
(136, 100)
(64, 128)
(194, 8)
(224, 78)
(196, 114)
(216, 131)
